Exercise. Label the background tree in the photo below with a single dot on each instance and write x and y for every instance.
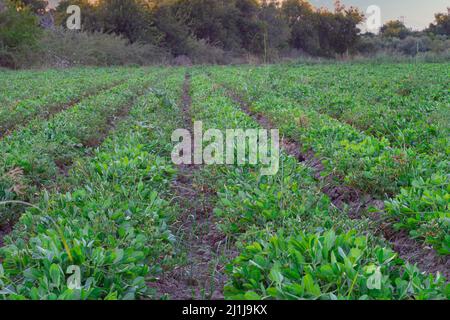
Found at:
(275, 29)
(395, 29)
(322, 32)
(345, 32)
(230, 25)
(36, 6)
(172, 23)
(19, 32)
(131, 19)
(212, 20)
(303, 22)
(441, 26)
(250, 30)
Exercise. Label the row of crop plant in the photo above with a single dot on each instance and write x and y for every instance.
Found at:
(33, 156)
(292, 243)
(104, 235)
(63, 91)
(414, 183)
(406, 104)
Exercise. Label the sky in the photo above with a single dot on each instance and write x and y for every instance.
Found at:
(418, 14)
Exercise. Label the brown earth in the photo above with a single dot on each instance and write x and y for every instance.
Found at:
(201, 277)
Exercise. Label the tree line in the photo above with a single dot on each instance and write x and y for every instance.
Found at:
(264, 29)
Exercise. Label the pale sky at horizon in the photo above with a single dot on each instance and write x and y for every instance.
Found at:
(418, 14)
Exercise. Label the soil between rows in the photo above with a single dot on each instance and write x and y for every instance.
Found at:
(201, 276)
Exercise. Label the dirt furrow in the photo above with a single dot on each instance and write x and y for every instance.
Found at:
(201, 276)
(4, 231)
(357, 202)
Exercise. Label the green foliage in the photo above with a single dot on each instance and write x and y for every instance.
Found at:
(107, 230)
(17, 28)
(424, 209)
(19, 33)
(292, 243)
(383, 138)
(33, 156)
(112, 222)
(441, 26)
(375, 128)
(51, 93)
(326, 266)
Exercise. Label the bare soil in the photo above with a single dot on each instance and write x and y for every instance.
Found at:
(4, 231)
(201, 276)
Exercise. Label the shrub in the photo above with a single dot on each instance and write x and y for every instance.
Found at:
(419, 45)
(61, 47)
(201, 52)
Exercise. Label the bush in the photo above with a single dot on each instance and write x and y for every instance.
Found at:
(201, 52)
(419, 45)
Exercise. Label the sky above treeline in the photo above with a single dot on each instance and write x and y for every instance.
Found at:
(416, 14)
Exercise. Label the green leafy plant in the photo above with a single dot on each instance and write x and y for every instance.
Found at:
(326, 266)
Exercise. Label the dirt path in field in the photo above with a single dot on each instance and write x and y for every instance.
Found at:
(58, 108)
(201, 277)
(426, 258)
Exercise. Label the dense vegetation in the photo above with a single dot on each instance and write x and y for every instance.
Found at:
(381, 135)
(201, 31)
(90, 183)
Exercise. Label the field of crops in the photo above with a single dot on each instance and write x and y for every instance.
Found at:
(93, 207)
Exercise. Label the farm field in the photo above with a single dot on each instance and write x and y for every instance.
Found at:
(359, 208)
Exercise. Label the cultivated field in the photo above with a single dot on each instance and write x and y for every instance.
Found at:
(359, 209)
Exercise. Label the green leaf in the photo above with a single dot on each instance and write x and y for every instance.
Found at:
(275, 275)
(310, 286)
(251, 295)
(55, 275)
